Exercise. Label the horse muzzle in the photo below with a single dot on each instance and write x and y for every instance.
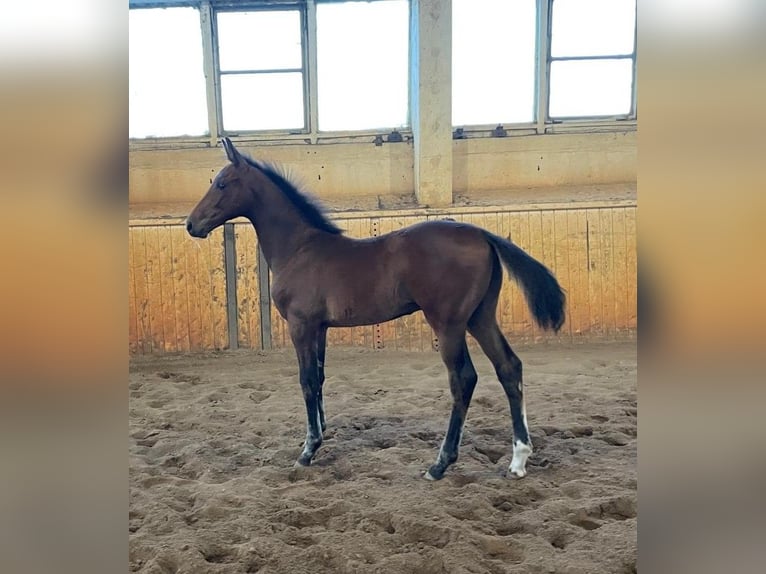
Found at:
(195, 231)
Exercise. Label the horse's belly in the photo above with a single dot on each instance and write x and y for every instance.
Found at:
(355, 317)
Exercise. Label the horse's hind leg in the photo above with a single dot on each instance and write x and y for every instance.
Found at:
(484, 328)
(305, 339)
(462, 382)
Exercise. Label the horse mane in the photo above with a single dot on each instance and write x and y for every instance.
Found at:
(306, 205)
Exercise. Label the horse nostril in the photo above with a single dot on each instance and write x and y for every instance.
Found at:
(188, 226)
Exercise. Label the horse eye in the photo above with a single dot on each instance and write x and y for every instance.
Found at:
(221, 185)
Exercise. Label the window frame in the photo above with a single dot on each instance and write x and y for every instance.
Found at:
(631, 115)
(300, 7)
(543, 123)
(310, 134)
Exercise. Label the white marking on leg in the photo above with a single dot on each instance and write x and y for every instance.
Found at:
(440, 458)
(309, 436)
(524, 414)
(521, 452)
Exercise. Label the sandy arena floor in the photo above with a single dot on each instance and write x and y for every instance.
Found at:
(213, 439)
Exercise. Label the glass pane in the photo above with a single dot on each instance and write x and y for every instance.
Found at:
(591, 88)
(262, 101)
(167, 80)
(493, 61)
(593, 27)
(363, 56)
(259, 40)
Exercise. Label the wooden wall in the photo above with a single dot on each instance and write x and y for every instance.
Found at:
(176, 290)
(178, 284)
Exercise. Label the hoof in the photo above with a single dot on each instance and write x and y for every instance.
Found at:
(302, 462)
(518, 465)
(434, 473)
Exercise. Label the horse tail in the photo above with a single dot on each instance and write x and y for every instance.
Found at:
(544, 295)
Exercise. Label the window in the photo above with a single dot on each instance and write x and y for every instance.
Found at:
(592, 58)
(260, 63)
(246, 68)
(542, 61)
(167, 83)
(309, 69)
(493, 61)
(362, 53)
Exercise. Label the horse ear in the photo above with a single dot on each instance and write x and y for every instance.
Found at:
(231, 151)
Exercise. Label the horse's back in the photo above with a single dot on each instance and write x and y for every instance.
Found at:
(444, 242)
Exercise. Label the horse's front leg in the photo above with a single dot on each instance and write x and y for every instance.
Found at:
(321, 346)
(305, 339)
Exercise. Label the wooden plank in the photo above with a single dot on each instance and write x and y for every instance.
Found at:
(218, 287)
(134, 345)
(179, 284)
(245, 274)
(620, 270)
(547, 219)
(489, 221)
(631, 263)
(204, 280)
(154, 290)
(536, 250)
(144, 319)
(595, 272)
(562, 266)
(166, 287)
(609, 279)
(579, 298)
(194, 322)
(339, 337)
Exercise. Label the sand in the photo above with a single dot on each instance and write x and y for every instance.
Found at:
(213, 439)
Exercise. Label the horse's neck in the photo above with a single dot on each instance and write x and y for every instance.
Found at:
(280, 228)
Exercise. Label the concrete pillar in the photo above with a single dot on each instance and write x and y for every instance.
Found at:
(431, 100)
